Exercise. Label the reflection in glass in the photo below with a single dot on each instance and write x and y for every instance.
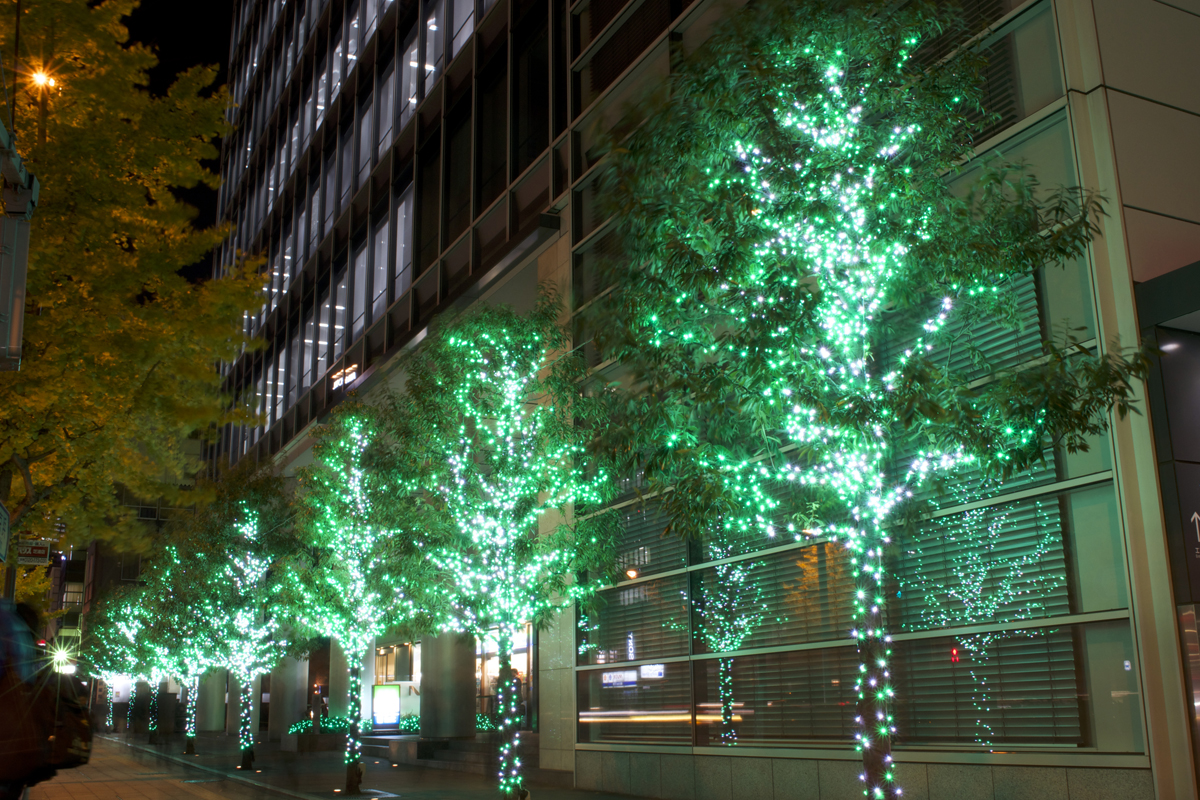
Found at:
(979, 572)
(728, 611)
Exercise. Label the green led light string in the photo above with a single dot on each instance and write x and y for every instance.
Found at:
(152, 722)
(245, 709)
(193, 692)
(783, 218)
(129, 708)
(109, 691)
(492, 412)
(365, 571)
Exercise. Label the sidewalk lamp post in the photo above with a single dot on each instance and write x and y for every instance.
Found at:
(20, 199)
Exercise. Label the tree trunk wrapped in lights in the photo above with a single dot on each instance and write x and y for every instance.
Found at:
(152, 718)
(783, 211)
(189, 728)
(494, 426)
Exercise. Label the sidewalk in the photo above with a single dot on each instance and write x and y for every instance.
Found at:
(306, 775)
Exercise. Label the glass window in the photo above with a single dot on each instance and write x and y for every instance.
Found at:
(310, 342)
(269, 397)
(347, 165)
(335, 80)
(434, 27)
(352, 38)
(339, 315)
(387, 88)
(360, 291)
(463, 20)
(322, 83)
(325, 336)
(366, 139)
(379, 278)
(294, 387)
(301, 238)
(372, 11)
(644, 620)
(289, 264)
(280, 381)
(295, 144)
(619, 705)
(403, 263)
(330, 189)
(306, 127)
(410, 66)
(314, 218)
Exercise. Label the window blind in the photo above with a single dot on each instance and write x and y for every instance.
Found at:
(790, 597)
(638, 621)
(995, 564)
(1021, 688)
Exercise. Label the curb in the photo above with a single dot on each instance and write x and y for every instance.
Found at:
(210, 770)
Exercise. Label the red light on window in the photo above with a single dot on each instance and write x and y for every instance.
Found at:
(953, 655)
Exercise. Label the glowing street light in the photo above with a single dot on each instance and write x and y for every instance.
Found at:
(42, 79)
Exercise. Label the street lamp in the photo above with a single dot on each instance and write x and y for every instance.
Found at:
(44, 82)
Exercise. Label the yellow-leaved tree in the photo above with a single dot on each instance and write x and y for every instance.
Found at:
(119, 350)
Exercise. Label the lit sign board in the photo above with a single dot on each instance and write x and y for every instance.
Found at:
(649, 672)
(385, 704)
(619, 678)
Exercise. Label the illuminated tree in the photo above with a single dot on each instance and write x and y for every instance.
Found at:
(186, 640)
(492, 415)
(366, 571)
(237, 544)
(252, 636)
(778, 216)
(120, 643)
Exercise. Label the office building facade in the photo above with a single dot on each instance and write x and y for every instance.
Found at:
(392, 160)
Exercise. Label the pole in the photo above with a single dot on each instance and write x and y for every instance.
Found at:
(16, 68)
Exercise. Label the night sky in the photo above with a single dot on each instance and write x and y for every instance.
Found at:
(186, 33)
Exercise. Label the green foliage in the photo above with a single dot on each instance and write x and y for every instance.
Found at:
(493, 428)
(783, 216)
(362, 571)
(330, 724)
(118, 349)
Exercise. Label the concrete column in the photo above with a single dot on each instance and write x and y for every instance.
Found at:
(255, 705)
(339, 680)
(448, 686)
(289, 696)
(234, 709)
(366, 673)
(210, 701)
